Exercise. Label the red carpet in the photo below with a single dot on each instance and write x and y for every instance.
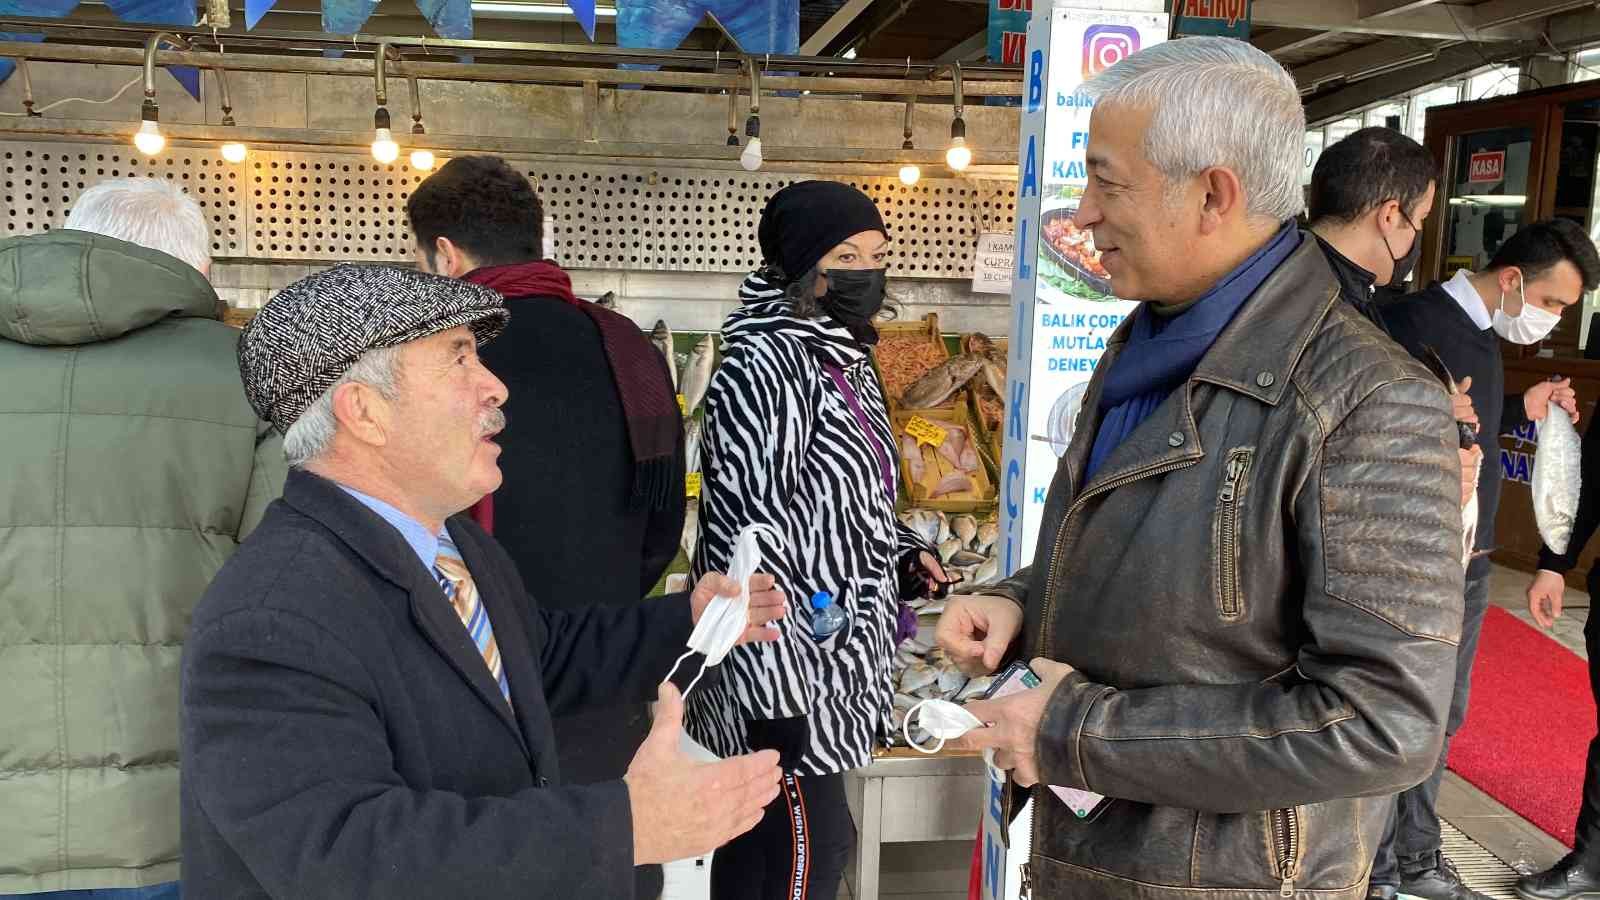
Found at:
(1529, 724)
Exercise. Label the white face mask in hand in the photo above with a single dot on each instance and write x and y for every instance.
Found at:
(727, 618)
(943, 721)
(1530, 327)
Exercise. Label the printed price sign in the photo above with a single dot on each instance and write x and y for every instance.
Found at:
(691, 484)
(926, 432)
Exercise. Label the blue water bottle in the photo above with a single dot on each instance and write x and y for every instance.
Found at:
(827, 616)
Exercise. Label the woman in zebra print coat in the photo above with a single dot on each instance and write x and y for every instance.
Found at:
(797, 438)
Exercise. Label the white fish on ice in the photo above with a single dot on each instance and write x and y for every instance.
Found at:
(697, 374)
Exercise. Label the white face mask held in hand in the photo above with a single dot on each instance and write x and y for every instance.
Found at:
(727, 618)
(1530, 326)
(943, 721)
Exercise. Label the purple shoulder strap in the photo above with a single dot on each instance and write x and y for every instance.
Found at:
(884, 468)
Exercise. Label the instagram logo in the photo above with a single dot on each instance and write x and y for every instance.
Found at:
(1106, 45)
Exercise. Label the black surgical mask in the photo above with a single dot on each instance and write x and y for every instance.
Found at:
(854, 296)
(1404, 265)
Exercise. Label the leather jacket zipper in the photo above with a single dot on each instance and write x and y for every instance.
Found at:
(1025, 892)
(1286, 842)
(1229, 603)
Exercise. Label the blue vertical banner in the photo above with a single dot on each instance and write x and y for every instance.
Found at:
(1218, 18)
(1008, 30)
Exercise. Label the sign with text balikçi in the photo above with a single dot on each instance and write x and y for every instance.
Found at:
(1008, 30)
(1227, 18)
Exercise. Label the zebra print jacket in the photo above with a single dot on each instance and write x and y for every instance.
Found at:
(783, 448)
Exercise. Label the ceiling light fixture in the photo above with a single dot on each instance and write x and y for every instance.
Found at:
(232, 151)
(148, 138)
(910, 173)
(958, 157)
(384, 149)
(751, 157)
(422, 160)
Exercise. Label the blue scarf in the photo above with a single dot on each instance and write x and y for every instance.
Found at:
(1162, 352)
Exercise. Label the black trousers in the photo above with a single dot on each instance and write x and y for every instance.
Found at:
(799, 850)
(1412, 842)
(1587, 845)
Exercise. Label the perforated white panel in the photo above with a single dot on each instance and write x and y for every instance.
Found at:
(283, 205)
(43, 180)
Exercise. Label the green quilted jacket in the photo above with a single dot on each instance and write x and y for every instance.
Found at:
(130, 468)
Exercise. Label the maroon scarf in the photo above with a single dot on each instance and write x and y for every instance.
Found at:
(643, 385)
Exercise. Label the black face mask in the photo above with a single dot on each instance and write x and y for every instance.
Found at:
(854, 296)
(1404, 265)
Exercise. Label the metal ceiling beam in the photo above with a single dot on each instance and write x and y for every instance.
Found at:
(1287, 40)
(836, 24)
(1372, 9)
(1438, 21)
(515, 74)
(1452, 61)
(969, 50)
(175, 131)
(1364, 62)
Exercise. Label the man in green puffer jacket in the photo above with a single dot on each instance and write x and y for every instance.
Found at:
(131, 466)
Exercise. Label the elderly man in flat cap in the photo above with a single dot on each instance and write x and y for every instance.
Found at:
(368, 688)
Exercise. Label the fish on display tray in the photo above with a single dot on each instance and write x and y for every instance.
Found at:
(696, 375)
(940, 384)
(661, 336)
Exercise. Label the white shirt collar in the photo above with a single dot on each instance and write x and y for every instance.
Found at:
(1460, 287)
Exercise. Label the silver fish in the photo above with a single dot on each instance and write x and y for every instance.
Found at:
(942, 382)
(917, 677)
(963, 558)
(697, 374)
(987, 573)
(661, 336)
(925, 522)
(944, 527)
(988, 533)
(693, 437)
(949, 548)
(1556, 478)
(966, 528)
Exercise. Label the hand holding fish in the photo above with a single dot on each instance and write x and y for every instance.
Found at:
(767, 603)
(1537, 400)
(1461, 404)
(933, 572)
(1544, 597)
(976, 630)
(1012, 723)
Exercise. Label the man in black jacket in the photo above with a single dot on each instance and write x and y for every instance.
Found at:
(1535, 275)
(1577, 875)
(368, 687)
(598, 440)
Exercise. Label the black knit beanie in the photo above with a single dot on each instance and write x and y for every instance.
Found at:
(807, 219)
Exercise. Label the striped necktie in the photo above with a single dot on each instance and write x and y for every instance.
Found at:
(463, 595)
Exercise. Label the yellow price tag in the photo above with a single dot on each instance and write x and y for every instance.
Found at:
(683, 406)
(691, 483)
(926, 432)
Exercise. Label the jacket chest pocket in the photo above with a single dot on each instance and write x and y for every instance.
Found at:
(1227, 523)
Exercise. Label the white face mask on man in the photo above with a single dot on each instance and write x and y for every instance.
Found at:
(1530, 327)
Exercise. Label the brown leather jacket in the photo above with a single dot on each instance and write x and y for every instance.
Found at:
(1261, 590)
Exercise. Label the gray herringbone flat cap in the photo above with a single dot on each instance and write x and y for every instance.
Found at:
(313, 331)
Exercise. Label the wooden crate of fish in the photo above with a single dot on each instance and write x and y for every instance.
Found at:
(942, 473)
(907, 351)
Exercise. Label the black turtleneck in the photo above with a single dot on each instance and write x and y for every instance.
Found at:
(1356, 284)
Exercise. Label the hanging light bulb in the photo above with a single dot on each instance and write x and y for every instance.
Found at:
(421, 160)
(233, 151)
(384, 149)
(751, 157)
(910, 173)
(958, 157)
(148, 138)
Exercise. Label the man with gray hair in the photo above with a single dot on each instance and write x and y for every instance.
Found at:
(1247, 589)
(134, 466)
